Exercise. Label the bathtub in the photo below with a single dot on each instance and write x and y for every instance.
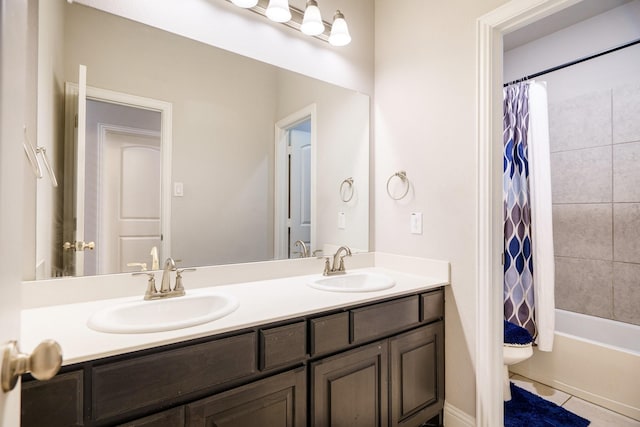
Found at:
(595, 359)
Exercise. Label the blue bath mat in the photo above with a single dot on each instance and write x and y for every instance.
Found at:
(528, 410)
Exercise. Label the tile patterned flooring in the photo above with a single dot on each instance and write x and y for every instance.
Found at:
(599, 416)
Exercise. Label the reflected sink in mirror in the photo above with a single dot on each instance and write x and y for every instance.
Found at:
(163, 314)
(353, 282)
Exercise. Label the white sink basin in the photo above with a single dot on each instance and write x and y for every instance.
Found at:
(162, 314)
(353, 282)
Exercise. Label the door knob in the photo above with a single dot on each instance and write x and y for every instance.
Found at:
(79, 246)
(43, 363)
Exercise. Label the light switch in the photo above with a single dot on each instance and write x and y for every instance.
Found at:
(178, 189)
(342, 221)
(416, 222)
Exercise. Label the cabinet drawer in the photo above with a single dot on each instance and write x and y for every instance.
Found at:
(124, 386)
(282, 345)
(329, 333)
(172, 417)
(432, 306)
(57, 402)
(384, 318)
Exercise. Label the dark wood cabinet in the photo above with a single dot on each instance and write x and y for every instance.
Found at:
(376, 364)
(417, 375)
(57, 402)
(350, 389)
(277, 401)
(170, 418)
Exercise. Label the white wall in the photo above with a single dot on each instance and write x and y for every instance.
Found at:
(602, 32)
(424, 114)
(220, 23)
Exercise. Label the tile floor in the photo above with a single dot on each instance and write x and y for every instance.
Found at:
(599, 416)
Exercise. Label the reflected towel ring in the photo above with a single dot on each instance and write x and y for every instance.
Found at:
(403, 177)
(348, 181)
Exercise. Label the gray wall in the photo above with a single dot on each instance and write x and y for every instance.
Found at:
(595, 175)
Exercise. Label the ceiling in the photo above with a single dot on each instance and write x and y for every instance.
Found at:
(572, 15)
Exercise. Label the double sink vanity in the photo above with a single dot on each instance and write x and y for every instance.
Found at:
(365, 348)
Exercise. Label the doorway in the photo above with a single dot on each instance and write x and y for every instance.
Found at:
(118, 196)
(294, 230)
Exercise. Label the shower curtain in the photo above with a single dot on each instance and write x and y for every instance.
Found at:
(528, 232)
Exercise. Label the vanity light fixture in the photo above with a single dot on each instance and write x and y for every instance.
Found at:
(308, 21)
(278, 11)
(339, 31)
(312, 24)
(245, 4)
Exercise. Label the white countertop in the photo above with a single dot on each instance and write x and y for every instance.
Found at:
(261, 302)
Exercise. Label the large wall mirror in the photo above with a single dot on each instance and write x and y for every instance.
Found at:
(190, 151)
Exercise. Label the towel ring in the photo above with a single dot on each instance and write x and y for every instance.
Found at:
(349, 182)
(403, 177)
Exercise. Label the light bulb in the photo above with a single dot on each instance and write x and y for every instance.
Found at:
(246, 4)
(339, 31)
(312, 22)
(278, 10)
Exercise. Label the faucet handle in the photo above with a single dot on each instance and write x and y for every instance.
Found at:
(142, 265)
(151, 283)
(178, 287)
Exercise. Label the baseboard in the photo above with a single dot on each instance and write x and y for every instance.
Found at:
(454, 417)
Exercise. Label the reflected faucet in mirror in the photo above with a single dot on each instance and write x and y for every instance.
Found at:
(303, 247)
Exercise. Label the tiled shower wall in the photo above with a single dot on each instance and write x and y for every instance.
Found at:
(595, 178)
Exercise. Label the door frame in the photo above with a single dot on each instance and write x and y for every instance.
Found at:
(166, 125)
(490, 30)
(281, 192)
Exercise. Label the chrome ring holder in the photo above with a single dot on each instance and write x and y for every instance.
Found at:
(344, 189)
(403, 177)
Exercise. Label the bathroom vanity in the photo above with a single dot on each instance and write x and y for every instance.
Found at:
(380, 357)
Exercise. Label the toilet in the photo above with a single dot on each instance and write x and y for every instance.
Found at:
(518, 346)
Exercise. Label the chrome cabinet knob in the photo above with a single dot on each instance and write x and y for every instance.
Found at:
(44, 363)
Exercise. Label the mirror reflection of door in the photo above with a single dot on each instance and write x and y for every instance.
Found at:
(123, 168)
(122, 183)
(299, 150)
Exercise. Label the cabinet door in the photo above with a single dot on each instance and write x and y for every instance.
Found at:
(172, 417)
(351, 388)
(417, 375)
(278, 401)
(57, 402)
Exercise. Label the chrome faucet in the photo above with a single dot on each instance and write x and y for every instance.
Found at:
(338, 262)
(165, 286)
(169, 266)
(305, 250)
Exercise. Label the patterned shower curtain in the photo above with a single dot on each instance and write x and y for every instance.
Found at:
(519, 302)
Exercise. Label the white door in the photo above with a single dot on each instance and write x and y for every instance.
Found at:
(299, 190)
(129, 221)
(13, 27)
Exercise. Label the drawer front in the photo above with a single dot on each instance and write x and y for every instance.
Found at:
(124, 386)
(432, 305)
(385, 318)
(329, 333)
(283, 345)
(57, 402)
(173, 417)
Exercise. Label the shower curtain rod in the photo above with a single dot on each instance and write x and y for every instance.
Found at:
(577, 61)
